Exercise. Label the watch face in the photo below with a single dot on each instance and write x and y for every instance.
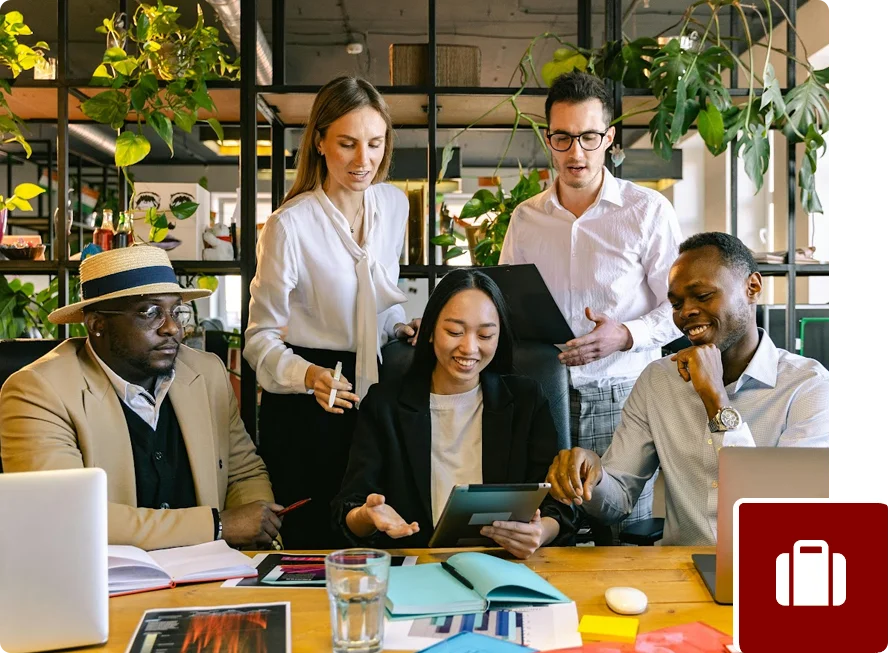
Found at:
(730, 418)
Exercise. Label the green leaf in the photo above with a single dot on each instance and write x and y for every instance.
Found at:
(148, 82)
(101, 71)
(671, 65)
(164, 128)
(217, 128)
(108, 108)
(4, 84)
(142, 26)
(130, 149)
(157, 235)
(138, 98)
(637, 57)
(18, 203)
(678, 120)
(202, 98)
(473, 209)
(822, 75)
(114, 54)
(452, 253)
(806, 105)
(443, 240)
(184, 210)
(771, 94)
(756, 152)
(207, 282)
(487, 198)
(659, 129)
(125, 67)
(711, 128)
(184, 120)
(28, 191)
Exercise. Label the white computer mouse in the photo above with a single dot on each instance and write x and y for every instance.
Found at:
(626, 600)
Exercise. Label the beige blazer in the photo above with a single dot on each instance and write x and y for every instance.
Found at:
(61, 412)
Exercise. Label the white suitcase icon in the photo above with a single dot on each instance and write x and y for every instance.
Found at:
(811, 575)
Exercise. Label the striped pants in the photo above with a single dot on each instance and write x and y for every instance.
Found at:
(595, 415)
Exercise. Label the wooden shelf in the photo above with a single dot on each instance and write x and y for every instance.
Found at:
(40, 104)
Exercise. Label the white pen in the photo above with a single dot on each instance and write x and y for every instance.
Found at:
(336, 377)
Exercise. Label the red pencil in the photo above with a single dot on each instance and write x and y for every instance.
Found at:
(293, 506)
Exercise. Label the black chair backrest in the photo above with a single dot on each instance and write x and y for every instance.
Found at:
(536, 360)
(15, 354)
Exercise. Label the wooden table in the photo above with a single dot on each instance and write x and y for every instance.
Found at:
(676, 593)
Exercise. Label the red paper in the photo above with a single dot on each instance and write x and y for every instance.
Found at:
(695, 637)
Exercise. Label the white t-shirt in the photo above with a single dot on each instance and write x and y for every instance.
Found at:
(456, 444)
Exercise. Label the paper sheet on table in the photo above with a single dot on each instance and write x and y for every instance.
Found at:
(540, 627)
(695, 637)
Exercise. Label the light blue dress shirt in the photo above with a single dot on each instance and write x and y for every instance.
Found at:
(783, 402)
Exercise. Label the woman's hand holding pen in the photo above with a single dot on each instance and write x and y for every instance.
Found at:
(320, 379)
(375, 515)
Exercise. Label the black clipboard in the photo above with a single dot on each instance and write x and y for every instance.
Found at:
(532, 309)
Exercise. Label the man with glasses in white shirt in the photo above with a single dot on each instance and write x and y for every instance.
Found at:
(604, 247)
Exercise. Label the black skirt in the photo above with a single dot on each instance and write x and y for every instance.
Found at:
(305, 450)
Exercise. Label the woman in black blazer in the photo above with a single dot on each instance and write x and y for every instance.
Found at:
(491, 426)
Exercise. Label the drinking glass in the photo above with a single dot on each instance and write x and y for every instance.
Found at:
(356, 587)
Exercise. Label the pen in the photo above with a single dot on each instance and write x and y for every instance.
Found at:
(293, 506)
(456, 574)
(336, 377)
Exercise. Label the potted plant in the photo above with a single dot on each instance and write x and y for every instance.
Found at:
(485, 237)
(24, 312)
(685, 76)
(165, 54)
(17, 57)
(18, 200)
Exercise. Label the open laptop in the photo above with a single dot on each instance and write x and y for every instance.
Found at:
(750, 473)
(532, 310)
(53, 559)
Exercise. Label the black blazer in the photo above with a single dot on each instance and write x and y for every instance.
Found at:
(391, 452)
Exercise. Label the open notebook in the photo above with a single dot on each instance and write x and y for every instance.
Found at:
(429, 589)
(130, 569)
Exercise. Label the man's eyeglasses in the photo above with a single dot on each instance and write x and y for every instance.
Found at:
(153, 317)
(589, 141)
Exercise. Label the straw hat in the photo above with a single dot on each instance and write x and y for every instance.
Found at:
(126, 272)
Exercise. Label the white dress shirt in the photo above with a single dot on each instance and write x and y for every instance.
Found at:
(615, 258)
(138, 399)
(456, 444)
(783, 402)
(316, 288)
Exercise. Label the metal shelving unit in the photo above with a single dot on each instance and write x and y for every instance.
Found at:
(280, 106)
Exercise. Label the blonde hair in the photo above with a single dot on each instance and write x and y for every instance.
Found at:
(335, 99)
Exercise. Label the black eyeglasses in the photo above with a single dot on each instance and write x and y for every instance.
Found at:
(589, 141)
(154, 316)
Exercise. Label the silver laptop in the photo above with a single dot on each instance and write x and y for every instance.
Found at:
(53, 559)
(751, 473)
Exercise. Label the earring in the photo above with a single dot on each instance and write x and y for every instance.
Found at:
(98, 334)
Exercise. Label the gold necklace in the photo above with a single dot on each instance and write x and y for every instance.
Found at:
(355, 219)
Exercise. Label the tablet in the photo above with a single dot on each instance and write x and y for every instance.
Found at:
(470, 507)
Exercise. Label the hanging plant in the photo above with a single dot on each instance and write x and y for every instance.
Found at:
(685, 77)
(17, 57)
(166, 54)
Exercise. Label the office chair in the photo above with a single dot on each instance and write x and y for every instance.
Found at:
(534, 359)
(16, 354)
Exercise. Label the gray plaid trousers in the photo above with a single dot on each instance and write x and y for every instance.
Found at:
(595, 415)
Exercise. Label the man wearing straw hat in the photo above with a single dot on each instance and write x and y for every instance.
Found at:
(161, 419)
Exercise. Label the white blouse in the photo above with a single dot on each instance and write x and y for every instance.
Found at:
(456, 444)
(316, 288)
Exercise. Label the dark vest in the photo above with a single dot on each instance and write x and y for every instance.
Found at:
(163, 474)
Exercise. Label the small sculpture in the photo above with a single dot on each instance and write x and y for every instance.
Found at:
(217, 243)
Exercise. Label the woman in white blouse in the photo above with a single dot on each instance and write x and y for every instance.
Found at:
(325, 293)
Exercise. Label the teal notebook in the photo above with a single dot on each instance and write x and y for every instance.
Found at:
(430, 590)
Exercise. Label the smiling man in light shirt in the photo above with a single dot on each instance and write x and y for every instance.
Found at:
(604, 247)
(731, 388)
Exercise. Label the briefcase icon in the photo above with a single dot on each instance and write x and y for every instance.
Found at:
(811, 575)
